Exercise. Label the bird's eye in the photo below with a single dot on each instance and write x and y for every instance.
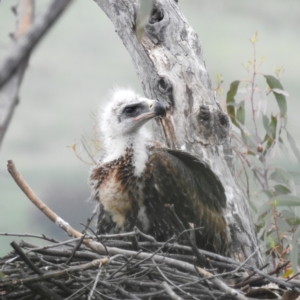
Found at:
(130, 109)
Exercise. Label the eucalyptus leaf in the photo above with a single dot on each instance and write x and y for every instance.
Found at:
(267, 126)
(230, 101)
(278, 131)
(293, 146)
(296, 177)
(264, 208)
(240, 114)
(283, 226)
(274, 84)
(247, 139)
(287, 213)
(297, 233)
(293, 221)
(294, 252)
(282, 92)
(281, 189)
(267, 193)
(281, 176)
(294, 256)
(286, 200)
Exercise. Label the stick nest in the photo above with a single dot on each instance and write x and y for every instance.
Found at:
(70, 270)
(128, 266)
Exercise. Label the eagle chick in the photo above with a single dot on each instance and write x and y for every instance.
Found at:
(137, 179)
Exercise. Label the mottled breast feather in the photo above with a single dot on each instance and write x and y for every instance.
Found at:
(117, 189)
(170, 177)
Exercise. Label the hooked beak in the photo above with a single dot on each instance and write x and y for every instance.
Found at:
(155, 109)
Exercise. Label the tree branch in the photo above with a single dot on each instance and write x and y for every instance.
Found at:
(9, 93)
(28, 41)
(14, 65)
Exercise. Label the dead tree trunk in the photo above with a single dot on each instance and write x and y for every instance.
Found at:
(170, 65)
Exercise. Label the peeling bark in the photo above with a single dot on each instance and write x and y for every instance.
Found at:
(170, 65)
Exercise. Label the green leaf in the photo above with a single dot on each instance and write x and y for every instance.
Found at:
(297, 233)
(247, 139)
(281, 189)
(230, 101)
(143, 17)
(286, 200)
(294, 256)
(267, 126)
(264, 209)
(281, 176)
(274, 83)
(240, 114)
(273, 125)
(293, 221)
(293, 146)
(283, 226)
(267, 193)
(287, 213)
(271, 136)
(294, 252)
(296, 177)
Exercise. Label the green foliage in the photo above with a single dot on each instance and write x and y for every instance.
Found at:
(257, 142)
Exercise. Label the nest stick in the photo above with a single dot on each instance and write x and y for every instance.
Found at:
(43, 207)
(170, 292)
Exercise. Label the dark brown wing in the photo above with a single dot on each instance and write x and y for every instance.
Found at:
(177, 177)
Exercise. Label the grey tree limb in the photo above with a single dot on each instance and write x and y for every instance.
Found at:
(28, 41)
(15, 63)
(9, 92)
(169, 63)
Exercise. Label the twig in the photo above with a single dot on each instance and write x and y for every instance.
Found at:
(273, 279)
(252, 93)
(55, 245)
(89, 220)
(75, 249)
(79, 290)
(123, 266)
(143, 235)
(176, 287)
(34, 268)
(201, 259)
(93, 264)
(60, 252)
(41, 290)
(44, 237)
(170, 292)
(247, 280)
(94, 285)
(87, 151)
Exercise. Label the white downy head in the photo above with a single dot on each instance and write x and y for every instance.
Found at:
(121, 124)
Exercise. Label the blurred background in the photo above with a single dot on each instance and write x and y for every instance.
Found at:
(81, 59)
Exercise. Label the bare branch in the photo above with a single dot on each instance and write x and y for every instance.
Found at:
(28, 41)
(9, 92)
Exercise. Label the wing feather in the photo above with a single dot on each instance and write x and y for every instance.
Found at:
(179, 178)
